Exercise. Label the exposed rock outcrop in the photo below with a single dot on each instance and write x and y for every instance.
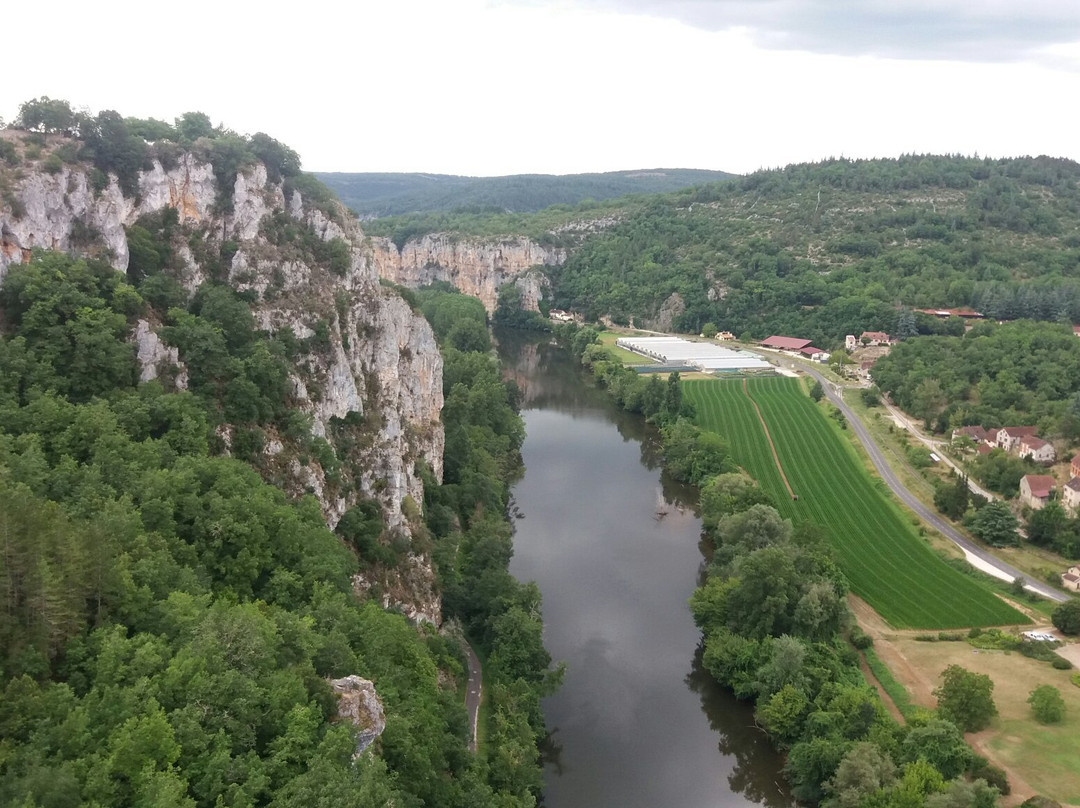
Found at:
(372, 387)
(155, 357)
(476, 267)
(360, 705)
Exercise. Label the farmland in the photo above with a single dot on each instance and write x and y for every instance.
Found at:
(887, 563)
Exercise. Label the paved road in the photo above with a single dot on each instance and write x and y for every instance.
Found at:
(935, 446)
(474, 691)
(913, 502)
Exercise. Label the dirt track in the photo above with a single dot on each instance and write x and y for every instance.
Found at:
(768, 437)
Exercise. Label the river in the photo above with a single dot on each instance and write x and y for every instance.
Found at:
(614, 548)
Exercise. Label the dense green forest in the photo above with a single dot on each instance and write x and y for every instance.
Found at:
(777, 631)
(994, 375)
(171, 618)
(373, 195)
(816, 250)
(833, 248)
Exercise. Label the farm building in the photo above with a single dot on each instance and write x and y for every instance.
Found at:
(1036, 449)
(703, 356)
(793, 344)
(1070, 496)
(1035, 490)
(814, 354)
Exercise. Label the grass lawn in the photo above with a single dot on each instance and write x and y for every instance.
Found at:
(1045, 757)
(876, 545)
(607, 339)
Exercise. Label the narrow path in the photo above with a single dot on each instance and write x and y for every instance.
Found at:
(768, 437)
(474, 691)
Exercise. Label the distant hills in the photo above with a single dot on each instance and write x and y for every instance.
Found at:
(374, 195)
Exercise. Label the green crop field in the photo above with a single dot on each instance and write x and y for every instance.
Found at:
(885, 560)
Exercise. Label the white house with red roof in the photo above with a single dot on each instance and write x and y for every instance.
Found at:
(1009, 437)
(875, 338)
(1037, 449)
(1035, 490)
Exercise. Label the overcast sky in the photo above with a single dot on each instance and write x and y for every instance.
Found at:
(490, 87)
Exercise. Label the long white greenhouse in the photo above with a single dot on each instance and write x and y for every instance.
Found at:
(704, 356)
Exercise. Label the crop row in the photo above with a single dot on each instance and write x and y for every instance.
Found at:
(885, 560)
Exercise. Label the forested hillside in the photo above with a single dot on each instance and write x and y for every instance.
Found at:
(177, 441)
(828, 249)
(374, 195)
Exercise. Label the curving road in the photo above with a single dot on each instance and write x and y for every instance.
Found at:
(916, 505)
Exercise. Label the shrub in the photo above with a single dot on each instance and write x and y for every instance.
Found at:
(1066, 617)
(1047, 705)
(860, 639)
(1060, 663)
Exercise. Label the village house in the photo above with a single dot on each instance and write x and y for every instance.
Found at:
(1035, 490)
(850, 343)
(865, 368)
(976, 433)
(560, 316)
(1009, 437)
(1037, 449)
(725, 335)
(875, 338)
(1074, 467)
(1070, 496)
(1071, 579)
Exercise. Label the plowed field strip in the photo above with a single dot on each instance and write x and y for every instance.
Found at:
(783, 440)
(768, 437)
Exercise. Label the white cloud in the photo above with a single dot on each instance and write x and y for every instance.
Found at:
(477, 87)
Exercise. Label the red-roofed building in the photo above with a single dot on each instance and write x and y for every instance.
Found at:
(785, 343)
(875, 338)
(1071, 579)
(1074, 467)
(1008, 437)
(1076, 330)
(976, 433)
(991, 437)
(816, 354)
(1035, 490)
(983, 449)
(1037, 449)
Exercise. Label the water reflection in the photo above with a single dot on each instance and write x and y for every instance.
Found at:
(740, 738)
(613, 546)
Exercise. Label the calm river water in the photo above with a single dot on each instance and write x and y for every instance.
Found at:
(615, 551)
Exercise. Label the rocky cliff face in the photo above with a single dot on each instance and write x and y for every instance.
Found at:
(477, 268)
(373, 389)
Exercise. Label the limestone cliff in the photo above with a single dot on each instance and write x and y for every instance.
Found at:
(475, 267)
(372, 388)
